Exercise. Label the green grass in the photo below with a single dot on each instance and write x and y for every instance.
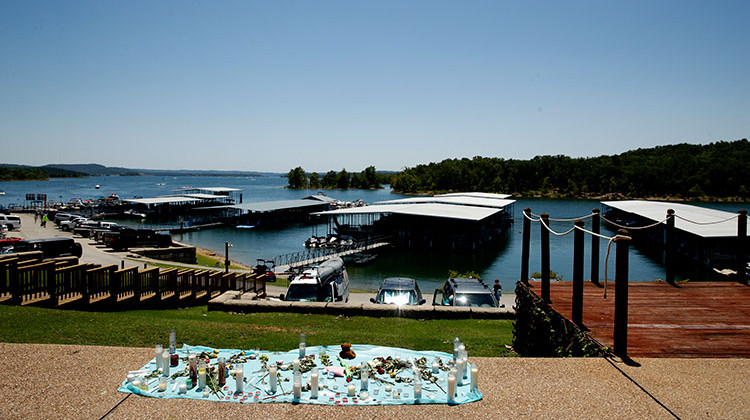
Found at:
(269, 331)
(207, 261)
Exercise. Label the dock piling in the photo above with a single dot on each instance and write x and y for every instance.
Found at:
(596, 228)
(578, 245)
(742, 247)
(620, 344)
(545, 257)
(669, 245)
(525, 246)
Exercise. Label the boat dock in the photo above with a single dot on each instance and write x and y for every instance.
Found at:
(692, 319)
(300, 259)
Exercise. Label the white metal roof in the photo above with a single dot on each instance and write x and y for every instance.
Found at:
(723, 223)
(477, 195)
(163, 200)
(205, 196)
(449, 211)
(460, 200)
(210, 189)
(265, 206)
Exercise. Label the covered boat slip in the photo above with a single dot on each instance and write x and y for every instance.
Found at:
(703, 238)
(280, 211)
(455, 222)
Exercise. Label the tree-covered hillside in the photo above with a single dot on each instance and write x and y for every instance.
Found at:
(720, 169)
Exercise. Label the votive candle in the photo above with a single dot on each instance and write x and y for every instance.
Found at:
(295, 365)
(460, 367)
(302, 345)
(451, 387)
(272, 372)
(239, 376)
(314, 383)
(417, 391)
(162, 384)
(365, 375)
(350, 390)
(297, 387)
(158, 359)
(474, 377)
(435, 367)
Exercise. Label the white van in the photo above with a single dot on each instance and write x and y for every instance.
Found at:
(328, 282)
(12, 222)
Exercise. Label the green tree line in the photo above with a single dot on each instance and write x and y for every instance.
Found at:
(367, 179)
(720, 170)
(31, 173)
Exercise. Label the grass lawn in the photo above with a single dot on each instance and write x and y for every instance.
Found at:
(269, 331)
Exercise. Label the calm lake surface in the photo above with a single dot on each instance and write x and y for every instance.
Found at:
(429, 267)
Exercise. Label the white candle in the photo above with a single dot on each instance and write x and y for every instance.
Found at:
(350, 390)
(461, 351)
(451, 388)
(295, 365)
(314, 383)
(397, 394)
(364, 395)
(159, 363)
(466, 369)
(202, 375)
(239, 375)
(435, 367)
(172, 341)
(461, 367)
(297, 388)
(474, 377)
(272, 373)
(365, 378)
(183, 388)
(388, 388)
(302, 345)
(417, 391)
(205, 393)
(456, 343)
(137, 383)
(131, 377)
(162, 384)
(165, 363)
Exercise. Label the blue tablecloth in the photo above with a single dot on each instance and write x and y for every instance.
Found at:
(333, 390)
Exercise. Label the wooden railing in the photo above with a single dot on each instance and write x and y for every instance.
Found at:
(66, 283)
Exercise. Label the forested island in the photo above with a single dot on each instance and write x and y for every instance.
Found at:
(719, 170)
(35, 173)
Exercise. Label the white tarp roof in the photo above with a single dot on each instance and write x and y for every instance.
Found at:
(460, 200)
(657, 211)
(450, 211)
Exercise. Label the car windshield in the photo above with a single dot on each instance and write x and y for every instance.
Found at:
(302, 292)
(475, 299)
(397, 297)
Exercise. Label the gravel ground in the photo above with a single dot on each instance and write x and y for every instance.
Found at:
(62, 381)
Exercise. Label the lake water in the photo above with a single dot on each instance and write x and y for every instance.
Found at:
(429, 267)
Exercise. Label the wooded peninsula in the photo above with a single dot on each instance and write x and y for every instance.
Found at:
(719, 170)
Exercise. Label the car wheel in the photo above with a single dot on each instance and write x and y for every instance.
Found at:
(9, 227)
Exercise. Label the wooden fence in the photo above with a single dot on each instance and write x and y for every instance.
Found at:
(27, 280)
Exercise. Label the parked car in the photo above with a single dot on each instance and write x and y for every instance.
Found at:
(70, 224)
(464, 292)
(60, 217)
(128, 238)
(51, 247)
(11, 222)
(86, 228)
(399, 291)
(328, 282)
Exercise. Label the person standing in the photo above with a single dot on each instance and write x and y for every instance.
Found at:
(45, 219)
(498, 291)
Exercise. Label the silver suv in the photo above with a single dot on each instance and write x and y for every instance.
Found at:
(464, 292)
(11, 222)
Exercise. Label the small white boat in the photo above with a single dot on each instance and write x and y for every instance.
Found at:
(97, 186)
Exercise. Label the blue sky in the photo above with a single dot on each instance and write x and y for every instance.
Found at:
(268, 86)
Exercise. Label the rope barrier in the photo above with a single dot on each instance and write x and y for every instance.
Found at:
(555, 233)
(533, 220)
(566, 220)
(634, 227)
(708, 223)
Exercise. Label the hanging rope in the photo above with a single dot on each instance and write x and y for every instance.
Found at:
(555, 233)
(565, 220)
(533, 220)
(708, 223)
(609, 248)
(633, 227)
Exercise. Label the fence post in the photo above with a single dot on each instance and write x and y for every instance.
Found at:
(15, 284)
(525, 246)
(51, 275)
(578, 245)
(114, 286)
(596, 228)
(622, 243)
(669, 248)
(545, 257)
(742, 246)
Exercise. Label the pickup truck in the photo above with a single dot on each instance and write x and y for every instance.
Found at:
(51, 247)
(128, 238)
(70, 224)
(87, 228)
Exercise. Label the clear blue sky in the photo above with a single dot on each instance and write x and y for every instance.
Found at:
(271, 85)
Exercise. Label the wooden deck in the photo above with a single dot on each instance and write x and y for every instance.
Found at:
(710, 319)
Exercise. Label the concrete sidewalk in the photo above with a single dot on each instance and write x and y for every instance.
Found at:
(60, 381)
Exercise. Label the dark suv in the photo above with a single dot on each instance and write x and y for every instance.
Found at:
(464, 292)
(128, 238)
(399, 291)
(51, 247)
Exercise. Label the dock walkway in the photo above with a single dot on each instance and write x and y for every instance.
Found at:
(700, 319)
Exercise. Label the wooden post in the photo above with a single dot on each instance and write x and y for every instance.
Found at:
(596, 228)
(578, 245)
(226, 256)
(545, 257)
(742, 247)
(621, 295)
(15, 284)
(114, 286)
(525, 246)
(669, 246)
